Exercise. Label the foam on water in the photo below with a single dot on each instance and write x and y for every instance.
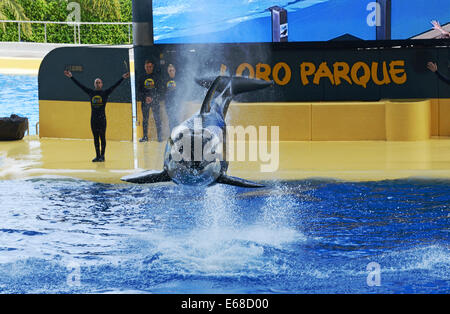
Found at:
(221, 243)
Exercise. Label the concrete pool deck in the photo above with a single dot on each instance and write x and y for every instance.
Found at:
(350, 161)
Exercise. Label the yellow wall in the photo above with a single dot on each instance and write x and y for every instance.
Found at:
(413, 120)
(294, 119)
(72, 119)
(314, 121)
(340, 121)
(444, 117)
(434, 117)
(408, 121)
(348, 121)
(331, 121)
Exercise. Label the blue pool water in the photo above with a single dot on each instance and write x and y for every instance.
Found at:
(19, 95)
(65, 235)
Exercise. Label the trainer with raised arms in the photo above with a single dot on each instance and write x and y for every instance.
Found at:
(98, 98)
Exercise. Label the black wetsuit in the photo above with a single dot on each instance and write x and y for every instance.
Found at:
(98, 98)
(170, 97)
(148, 86)
(443, 77)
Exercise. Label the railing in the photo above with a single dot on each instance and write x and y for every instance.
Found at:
(76, 27)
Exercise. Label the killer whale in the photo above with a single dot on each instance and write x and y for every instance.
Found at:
(207, 130)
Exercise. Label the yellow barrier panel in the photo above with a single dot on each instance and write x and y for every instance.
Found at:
(408, 120)
(294, 119)
(348, 121)
(352, 121)
(434, 117)
(72, 119)
(338, 121)
(444, 117)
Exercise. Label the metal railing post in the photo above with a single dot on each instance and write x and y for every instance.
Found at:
(45, 31)
(19, 30)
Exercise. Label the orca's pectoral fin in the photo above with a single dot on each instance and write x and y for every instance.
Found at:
(224, 179)
(150, 176)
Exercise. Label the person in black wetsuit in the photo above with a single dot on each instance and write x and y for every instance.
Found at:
(170, 97)
(98, 98)
(148, 94)
(434, 68)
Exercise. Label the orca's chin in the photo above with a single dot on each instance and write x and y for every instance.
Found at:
(181, 174)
